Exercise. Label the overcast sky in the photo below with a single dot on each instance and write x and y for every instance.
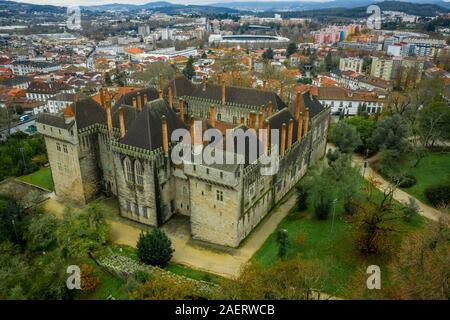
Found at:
(97, 2)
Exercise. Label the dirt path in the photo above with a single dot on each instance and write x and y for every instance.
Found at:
(399, 195)
(227, 263)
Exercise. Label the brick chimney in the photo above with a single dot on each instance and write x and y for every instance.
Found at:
(212, 116)
(242, 120)
(165, 135)
(161, 82)
(298, 104)
(306, 120)
(160, 94)
(139, 103)
(281, 90)
(122, 123)
(108, 117)
(134, 102)
(283, 139)
(267, 142)
(269, 109)
(260, 120)
(290, 131)
(170, 98)
(192, 131)
(102, 97)
(181, 108)
(300, 127)
(145, 100)
(223, 93)
(252, 120)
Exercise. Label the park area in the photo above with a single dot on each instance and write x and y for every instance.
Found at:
(332, 246)
(41, 178)
(433, 169)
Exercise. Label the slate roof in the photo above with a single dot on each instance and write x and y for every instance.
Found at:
(276, 122)
(88, 112)
(127, 99)
(240, 95)
(146, 132)
(54, 121)
(181, 86)
(311, 102)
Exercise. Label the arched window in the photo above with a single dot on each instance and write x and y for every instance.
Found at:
(128, 170)
(139, 171)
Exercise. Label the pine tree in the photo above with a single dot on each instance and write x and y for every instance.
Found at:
(189, 71)
(154, 248)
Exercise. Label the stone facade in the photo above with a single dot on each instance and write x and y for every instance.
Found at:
(224, 202)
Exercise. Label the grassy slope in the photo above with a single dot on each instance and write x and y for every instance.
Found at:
(42, 178)
(433, 169)
(337, 255)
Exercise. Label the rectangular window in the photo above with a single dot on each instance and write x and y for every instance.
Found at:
(128, 206)
(58, 146)
(65, 148)
(136, 209)
(145, 212)
(219, 195)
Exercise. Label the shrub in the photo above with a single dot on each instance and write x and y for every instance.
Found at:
(322, 209)
(300, 240)
(89, 282)
(283, 243)
(406, 180)
(410, 210)
(154, 248)
(438, 195)
(350, 206)
(302, 197)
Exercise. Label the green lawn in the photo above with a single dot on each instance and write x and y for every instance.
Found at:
(110, 287)
(337, 253)
(433, 169)
(42, 178)
(193, 274)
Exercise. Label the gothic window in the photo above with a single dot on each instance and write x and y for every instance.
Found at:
(139, 173)
(128, 170)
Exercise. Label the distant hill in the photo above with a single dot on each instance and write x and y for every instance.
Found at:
(418, 9)
(164, 7)
(332, 8)
(311, 5)
(13, 6)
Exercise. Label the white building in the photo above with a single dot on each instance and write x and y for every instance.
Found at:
(351, 64)
(23, 68)
(350, 102)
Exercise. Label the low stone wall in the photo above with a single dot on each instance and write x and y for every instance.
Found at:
(124, 266)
